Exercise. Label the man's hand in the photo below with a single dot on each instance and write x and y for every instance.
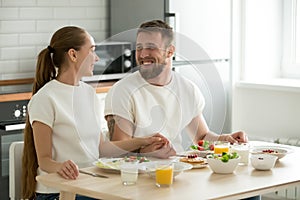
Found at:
(240, 136)
(160, 149)
(163, 152)
(236, 137)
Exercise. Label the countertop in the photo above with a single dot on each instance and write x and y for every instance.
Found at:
(101, 87)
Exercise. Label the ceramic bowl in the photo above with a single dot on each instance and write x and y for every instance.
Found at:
(220, 167)
(263, 161)
(279, 152)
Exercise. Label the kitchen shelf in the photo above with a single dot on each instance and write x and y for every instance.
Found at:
(16, 81)
(101, 87)
(195, 62)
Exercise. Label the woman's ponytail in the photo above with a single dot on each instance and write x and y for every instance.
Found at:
(45, 70)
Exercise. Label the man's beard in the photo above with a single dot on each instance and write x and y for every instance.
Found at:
(152, 72)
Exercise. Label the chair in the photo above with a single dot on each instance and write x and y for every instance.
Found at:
(15, 169)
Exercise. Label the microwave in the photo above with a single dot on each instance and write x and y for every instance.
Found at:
(117, 59)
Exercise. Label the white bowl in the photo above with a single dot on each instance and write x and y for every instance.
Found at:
(178, 168)
(263, 161)
(220, 167)
(280, 152)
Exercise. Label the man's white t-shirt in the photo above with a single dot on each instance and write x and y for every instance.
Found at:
(156, 109)
(73, 114)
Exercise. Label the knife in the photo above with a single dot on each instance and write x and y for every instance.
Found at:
(93, 174)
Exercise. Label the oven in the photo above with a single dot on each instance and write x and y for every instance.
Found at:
(12, 123)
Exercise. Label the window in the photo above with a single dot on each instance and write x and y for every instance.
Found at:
(270, 40)
(297, 31)
(291, 39)
(262, 33)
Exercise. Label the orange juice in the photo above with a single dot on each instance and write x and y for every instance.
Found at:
(221, 146)
(219, 149)
(164, 176)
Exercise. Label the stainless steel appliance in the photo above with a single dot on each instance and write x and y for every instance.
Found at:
(12, 123)
(116, 59)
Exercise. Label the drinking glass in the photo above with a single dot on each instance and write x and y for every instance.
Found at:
(221, 146)
(243, 150)
(129, 173)
(164, 174)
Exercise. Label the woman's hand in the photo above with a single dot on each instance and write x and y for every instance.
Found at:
(68, 170)
(158, 150)
(156, 140)
(160, 147)
(162, 138)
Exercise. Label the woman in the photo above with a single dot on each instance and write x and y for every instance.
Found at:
(62, 130)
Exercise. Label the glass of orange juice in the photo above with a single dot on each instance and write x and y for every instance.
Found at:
(164, 174)
(221, 146)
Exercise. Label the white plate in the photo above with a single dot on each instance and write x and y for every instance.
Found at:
(195, 164)
(202, 154)
(112, 165)
(178, 167)
(200, 166)
(278, 151)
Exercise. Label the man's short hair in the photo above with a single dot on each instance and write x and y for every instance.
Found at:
(158, 26)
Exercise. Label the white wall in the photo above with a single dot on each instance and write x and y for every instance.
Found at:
(267, 113)
(26, 27)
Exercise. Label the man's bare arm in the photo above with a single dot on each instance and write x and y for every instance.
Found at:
(199, 130)
(119, 128)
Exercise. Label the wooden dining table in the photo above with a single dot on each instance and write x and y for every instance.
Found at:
(191, 184)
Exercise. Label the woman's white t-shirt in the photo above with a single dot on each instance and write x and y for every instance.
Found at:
(156, 109)
(73, 114)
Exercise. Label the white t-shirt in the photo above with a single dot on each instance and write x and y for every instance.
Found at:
(156, 109)
(73, 113)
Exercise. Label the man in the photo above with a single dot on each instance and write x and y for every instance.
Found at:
(157, 100)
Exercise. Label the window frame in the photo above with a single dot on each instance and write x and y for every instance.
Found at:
(289, 66)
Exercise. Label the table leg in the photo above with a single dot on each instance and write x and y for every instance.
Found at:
(66, 196)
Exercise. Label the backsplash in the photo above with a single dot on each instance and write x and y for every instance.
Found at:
(26, 27)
